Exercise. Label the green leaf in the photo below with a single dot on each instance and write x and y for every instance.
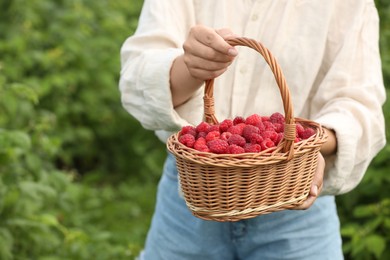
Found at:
(6, 244)
(375, 244)
(14, 139)
(349, 230)
(365, 211)
(25, 92)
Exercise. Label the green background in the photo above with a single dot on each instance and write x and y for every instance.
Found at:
(78, 175)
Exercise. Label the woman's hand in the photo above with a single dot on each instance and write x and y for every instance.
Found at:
(206, 53)
(316, 185)
(206, 56)
(327, 149)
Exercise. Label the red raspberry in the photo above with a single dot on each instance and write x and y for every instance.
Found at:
(279, 128)
(256, 138)
(200, 145)
(248, 131)
(225, 135)
(203, 127)
(218, 146)
(187, 139)
(268, 125)
(188, 130)
(213, 128)
(235, 149)
(225, 124)
(307, 133)
(279, 139)
(237, 140)
(237, 129)
(267, 143)
(201, 134)
(252, 148)
(261, 126)
(238, 120)
(277, 118)
(271, 134)
(299, 129)
(212, 136)
(265, 118)
(253, 119)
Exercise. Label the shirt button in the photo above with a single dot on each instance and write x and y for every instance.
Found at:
(255, 17)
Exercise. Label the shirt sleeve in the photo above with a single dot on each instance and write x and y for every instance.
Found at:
(349, 100)
(146, 59)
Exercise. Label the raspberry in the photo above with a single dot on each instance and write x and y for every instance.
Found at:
(200, 145)
(265, 118)
(225, 124)
(201, 134)
(212, 136)
(307, 133)
(236, 129)
(213, 128)
(218, 146)
(276, 118)
(267, 143)
(279, 128)
(225, 135)
(268, 125)
(279, 139)
(252, 148)
(187, 139)
(203, 127)
(253, 119)
(188, 130)
(256, 138)
(238, 120)
(235, 149)
(248, 131)
(270, 134)
(237, 140)
(299, 129)
(261, 126)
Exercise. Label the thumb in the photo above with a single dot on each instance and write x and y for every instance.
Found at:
(226, 34)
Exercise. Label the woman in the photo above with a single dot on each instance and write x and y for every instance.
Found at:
(328, 51)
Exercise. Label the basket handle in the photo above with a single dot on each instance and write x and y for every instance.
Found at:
(289, 130)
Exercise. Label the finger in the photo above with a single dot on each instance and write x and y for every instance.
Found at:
(195, 48)
(307, 203)
(317, 184)
(200, 63)
(225, 33)
(318, 177)
(212, 39)
(205, 75)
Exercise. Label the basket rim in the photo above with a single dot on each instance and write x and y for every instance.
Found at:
(269, 156)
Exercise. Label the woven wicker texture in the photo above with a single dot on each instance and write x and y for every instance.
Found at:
(232, 187)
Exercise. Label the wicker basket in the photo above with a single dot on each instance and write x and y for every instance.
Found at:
(232, 187)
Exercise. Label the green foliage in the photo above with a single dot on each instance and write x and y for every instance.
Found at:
(77, 174)
(365, 211)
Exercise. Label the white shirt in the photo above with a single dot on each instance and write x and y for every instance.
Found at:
(328, 51)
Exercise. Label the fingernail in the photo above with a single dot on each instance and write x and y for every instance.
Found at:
(315, 190)
(232, 52)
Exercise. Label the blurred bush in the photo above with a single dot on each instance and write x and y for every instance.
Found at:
(77, 173)
(365, 212)
(72, 161)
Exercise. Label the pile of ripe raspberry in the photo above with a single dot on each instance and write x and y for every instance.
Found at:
(241, 135)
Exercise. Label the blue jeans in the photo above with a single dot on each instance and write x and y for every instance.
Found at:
(175, 234)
